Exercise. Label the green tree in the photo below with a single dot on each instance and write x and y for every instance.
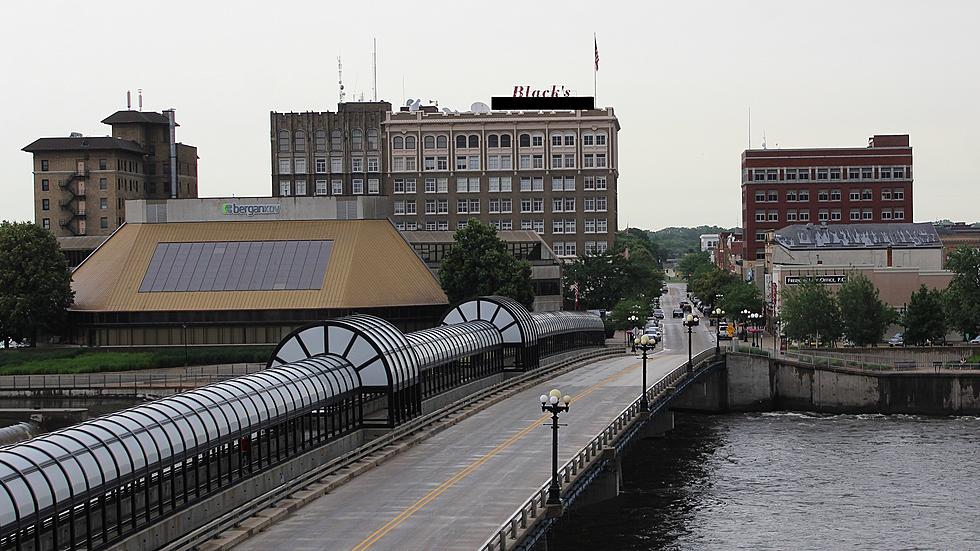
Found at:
(35, 284)
(810, 312)
(924, 320)
(479, 264)
(864, 315)
(710, 282)
(741, 295)
(962, 297)
(629, 307)
(607, 278)
(693, 263)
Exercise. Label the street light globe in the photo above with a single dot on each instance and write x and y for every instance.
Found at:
(645, 340)
(553, 399)
(544, 399)
(566, 399)
(689, 318)
(636, 340)
(555, 393)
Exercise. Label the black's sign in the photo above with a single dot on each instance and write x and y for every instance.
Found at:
(541, 103)
(822, 279)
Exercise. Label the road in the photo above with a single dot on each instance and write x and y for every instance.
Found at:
(453, 490)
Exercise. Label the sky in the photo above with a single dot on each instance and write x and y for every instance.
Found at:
(680, 75)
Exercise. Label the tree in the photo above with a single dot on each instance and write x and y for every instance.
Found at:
(35, 284)
(693, 263)
(626, 308)
(962, 297)
(741, 295)
(924, 320)
(479, 265)
(810, 312)
(709, 282)
(864, 315)
(605, 279)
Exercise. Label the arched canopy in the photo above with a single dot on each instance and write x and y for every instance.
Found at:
(441, 345)
(374, 347)
(562, 322)
(99, 454)
(510, 317)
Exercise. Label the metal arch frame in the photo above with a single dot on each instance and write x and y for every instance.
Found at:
(54, 493)
(524, 353)
(462, 340)
(31, 490)
(14, 508)
(88, 486)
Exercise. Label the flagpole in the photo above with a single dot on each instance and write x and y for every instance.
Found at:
(595, 72)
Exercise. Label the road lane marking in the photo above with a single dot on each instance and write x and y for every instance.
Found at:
(433, 494)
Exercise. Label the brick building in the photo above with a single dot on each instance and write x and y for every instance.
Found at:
(781, 187)
(554, 173)
(81, 182)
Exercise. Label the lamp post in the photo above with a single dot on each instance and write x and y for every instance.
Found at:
(690, 321)
(718, 313)
(754, 321)
(645, 343)
(184, 327)
(632, 325)
(745, 324)
(554, 403)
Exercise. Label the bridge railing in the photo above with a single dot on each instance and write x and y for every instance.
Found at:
(527, 514)
(192, 378)
(884, 362)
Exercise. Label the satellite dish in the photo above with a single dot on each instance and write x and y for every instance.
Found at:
(447, 110)
(414, 105)
(480, 107)
(408, 102)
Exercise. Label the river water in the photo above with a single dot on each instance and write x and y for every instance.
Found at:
(793, 481)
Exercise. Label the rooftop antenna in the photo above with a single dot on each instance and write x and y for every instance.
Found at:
(750, 127)
(763, 139)
(374, 66)
(340, 78)
(129, 101)
(140, 91)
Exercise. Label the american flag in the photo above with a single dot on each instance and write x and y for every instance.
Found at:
(596, 52)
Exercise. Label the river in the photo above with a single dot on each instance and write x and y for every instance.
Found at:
(793, 481)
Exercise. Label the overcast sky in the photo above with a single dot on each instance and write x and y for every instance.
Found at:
(681, 76)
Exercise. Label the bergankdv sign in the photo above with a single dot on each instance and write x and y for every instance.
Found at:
(235, 209)
(822, 280)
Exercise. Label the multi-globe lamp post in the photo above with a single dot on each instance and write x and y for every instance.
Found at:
(754, 322)
(632, 319)
(717, 313)
(645, 343)
(745, 324)
(555, 403)
(690, 321)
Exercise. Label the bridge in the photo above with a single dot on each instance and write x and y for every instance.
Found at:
(229, 464)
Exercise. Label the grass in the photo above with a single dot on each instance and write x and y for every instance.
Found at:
(26, 361)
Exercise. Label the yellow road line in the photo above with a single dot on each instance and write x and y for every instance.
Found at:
(412, 509)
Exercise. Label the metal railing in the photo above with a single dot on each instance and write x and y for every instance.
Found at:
(192, 377)
(527, 514)
(892, 362)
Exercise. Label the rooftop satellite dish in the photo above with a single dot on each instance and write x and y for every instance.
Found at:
(447, 110)
(408, 102)
(480, 107)
(415, 105)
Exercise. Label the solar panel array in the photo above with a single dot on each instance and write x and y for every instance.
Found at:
(237, 266)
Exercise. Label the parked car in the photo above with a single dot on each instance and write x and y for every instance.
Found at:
(655, 333)
(678, 313)
(723, 331)
(658, 313)
(685, 306)
(976, 340)
(898, 339)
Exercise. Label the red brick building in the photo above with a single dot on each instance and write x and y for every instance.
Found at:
(781, 187)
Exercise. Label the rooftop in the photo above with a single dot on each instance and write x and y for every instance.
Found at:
(138, 117)
(858, 236)
(83, 143)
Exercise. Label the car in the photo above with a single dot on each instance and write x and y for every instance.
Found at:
(685, 306)
(658, 313)
(678, 313)
(723, 331)
(976, 340)
(898, 339)
(655, 333)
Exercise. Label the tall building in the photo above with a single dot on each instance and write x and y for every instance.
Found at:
(81, 182)
(782, 187)
(554, 173)
(327, 153)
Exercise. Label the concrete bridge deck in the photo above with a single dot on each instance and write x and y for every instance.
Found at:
(455, 489)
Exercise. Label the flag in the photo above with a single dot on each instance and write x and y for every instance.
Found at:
(596, 51)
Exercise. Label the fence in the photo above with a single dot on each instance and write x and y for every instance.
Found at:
(899, 360)
(192, 377)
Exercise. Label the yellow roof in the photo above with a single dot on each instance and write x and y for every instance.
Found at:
(370, 265)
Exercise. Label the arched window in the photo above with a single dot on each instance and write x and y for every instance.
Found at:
(524, 140)
(320, 140)
(569, 138)
(460, 141)
(442, 142)
(429, 142)
(398, 142)
(492, 140)
(284, 140)
(505, 140)
(373, 139)
(300, 140)
(474, 140)
(357, 139)
(409, 142)
(336, 140)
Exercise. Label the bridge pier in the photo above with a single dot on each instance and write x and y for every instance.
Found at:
(606, 484)
(659, 424)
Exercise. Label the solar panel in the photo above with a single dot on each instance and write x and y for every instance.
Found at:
(237, 266)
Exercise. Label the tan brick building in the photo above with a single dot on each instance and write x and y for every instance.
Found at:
(81, 182)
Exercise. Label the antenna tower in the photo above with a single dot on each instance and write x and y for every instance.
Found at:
(374, 65)
(340, 78)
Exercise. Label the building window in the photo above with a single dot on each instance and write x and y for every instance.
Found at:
(760, 237)
(898, 194)
(835, 215)
(357, 164)
(103, 164)
(854, 214)
(300, 187)
(320, 165)
(759, 175)
(299, 164)
(430, 206)
(320, 140)
(442, 185)
(588, 140)
(537, 161)
(372, 139)
(823, 216)
(791, 216)
(473, 162)
(430, 185)
(760, 197)
(898, 172)
(569, 139)
(854, 195)
(600, 204)
(773, 216)
(886, 214)
(867, 215)
(320, 187)
(760, 216)
(284, 140)
(866, 195)
(557, 226)
(443, 206)
(804, 216)
(803, 174)
(760, 255)
(399, 207)
(337, 187)
(103, 203)
(789, 174)
(336, 165)
(374, 186)
(45, 185)
(835, 174)
(823, 174)
(285, 166)
(773, 196)
(526, 205)
(538, 204)
(45, 204)
(556, 204)
(899, 214)
(886, 195)
(284, 188)
(357, 139)
(556, 159)
(538, 226)
(104, 223)
(556, 140)
(835, 195)
(772, 175)
(357, 186)
(791, 196)
(823, 195)
(885, 173)
(410, 207)
(853, 173)
(300, 140)
(803, 196)
(462, 206)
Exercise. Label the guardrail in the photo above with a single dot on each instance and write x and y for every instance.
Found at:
(528, 513)
(231, 518)
(192, 378)
(877, 363)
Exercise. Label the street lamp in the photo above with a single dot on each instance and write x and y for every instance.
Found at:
(718, 313)
(632, 325)
(184, 327)
(690, 321)
(754, 319)
(554, 403)
(745, 323)
(644, 343)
